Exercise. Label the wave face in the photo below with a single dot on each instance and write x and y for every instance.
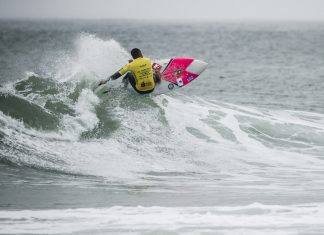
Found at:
(201, 161)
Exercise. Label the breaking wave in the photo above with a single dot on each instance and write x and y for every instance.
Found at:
(52, 120)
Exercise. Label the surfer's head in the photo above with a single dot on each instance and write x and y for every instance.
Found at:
(136, 53)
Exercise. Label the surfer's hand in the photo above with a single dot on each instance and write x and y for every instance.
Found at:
(103, 82)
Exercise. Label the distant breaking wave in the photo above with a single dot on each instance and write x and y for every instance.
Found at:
(303, 218)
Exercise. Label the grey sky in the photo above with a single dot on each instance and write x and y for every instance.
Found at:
(166, 9)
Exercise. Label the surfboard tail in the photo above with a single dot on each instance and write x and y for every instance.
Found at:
(197, 67)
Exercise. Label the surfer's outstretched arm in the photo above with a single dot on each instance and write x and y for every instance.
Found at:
(112, 77)
(118, 74)
(115, 76)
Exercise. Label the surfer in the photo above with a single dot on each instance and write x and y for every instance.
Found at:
(139, 73)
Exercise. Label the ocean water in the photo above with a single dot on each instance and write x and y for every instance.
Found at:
(238, 151)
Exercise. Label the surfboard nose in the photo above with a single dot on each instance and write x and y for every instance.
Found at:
(197, 67)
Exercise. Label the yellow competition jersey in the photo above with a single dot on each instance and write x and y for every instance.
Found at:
(143, 73)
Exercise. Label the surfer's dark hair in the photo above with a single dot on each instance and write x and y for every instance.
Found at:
(136, 53)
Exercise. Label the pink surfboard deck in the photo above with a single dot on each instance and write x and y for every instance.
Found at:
(177, 72)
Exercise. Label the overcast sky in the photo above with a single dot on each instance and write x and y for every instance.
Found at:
(166, 9)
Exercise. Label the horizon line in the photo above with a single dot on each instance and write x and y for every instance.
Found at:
(246, 20)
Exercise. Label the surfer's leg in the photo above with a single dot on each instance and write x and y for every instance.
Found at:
(130, 78)
(156, 77)
(125, 81)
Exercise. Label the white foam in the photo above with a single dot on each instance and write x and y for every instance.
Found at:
(85, 118)
(94, 58)
(151, 145)
(255, 218)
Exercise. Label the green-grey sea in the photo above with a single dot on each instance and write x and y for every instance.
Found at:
(240, 150)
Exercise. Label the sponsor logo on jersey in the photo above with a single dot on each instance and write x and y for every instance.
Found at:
(144, 84)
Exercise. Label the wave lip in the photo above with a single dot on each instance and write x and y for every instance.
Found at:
(255, 218)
